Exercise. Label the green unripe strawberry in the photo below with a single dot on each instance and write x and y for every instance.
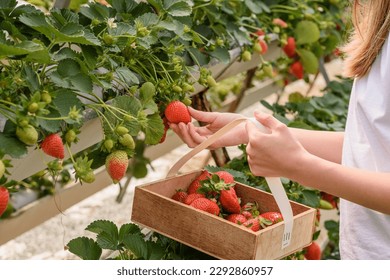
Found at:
(177, 89)
(108, 144)
(46, 97)
(211, 81)
(147, 89)
(23, 122)
(246, 56)
(28, 134)
(127, 141)
(268, 70)
(70, 136)
(33, 107)
(108, 39)
(187, 87)
(2, 168)
(55, 165)
(121, 130)
(187, 101)
(89, 177)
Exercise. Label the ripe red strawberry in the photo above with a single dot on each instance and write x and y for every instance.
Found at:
(206, 204)
(4, 197)
(177, 112)
(52, 145)
(263, 45)
(226, 176)
(289, 48)
(180, 196)
(236, 218)
(116, 165)
(229, 201)
(271, 218)
(196, 183)
(296, 69)
(247, 214)
(280, 22)
(260, 32)
(313, 251)
(252, 224)
(250, 210)
(191, 197)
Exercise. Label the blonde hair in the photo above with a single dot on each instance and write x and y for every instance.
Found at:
(371, 21)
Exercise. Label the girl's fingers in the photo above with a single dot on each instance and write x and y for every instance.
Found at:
(206, 117)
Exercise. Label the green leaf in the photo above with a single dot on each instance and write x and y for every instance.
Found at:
(306, 32)
(51, 125)
(12, 146)
(155, 251)
(310, 198)
(198, 57)
(128, 104)
(31, 77)
(154, 129)
(255, 7)
(90, 56)
(99, 226)
(64, 100)
(25, 47)
(7, 4)
(95, 11)
(107, 240)
(178, 8)
(309, 61)
(126, 76)
(137, 245)
(222, 54)
(70, 33)
(85, 248)
(128, 229)
(124, 6)
(148, 19)
(68, 67)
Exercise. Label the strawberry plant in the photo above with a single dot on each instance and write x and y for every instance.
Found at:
(129, 243)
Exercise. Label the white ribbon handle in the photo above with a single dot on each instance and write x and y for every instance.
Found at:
(277, 189)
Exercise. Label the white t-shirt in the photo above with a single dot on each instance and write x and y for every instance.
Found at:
(364, 233)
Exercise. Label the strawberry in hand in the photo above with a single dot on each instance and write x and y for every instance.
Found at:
(177, 112)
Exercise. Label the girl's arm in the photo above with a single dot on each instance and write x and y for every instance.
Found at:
(281, 154)
(324, 144)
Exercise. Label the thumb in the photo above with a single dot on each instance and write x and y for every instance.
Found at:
(202, 116)
(267, 120)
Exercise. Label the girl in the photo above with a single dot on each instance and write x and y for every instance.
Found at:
(353, 165)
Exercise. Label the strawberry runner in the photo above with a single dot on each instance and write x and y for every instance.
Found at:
(274, 183)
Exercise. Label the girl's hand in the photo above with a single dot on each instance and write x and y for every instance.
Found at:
(274, 154)
(193, 135)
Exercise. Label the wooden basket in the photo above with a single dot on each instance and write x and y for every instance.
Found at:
(153, 208)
